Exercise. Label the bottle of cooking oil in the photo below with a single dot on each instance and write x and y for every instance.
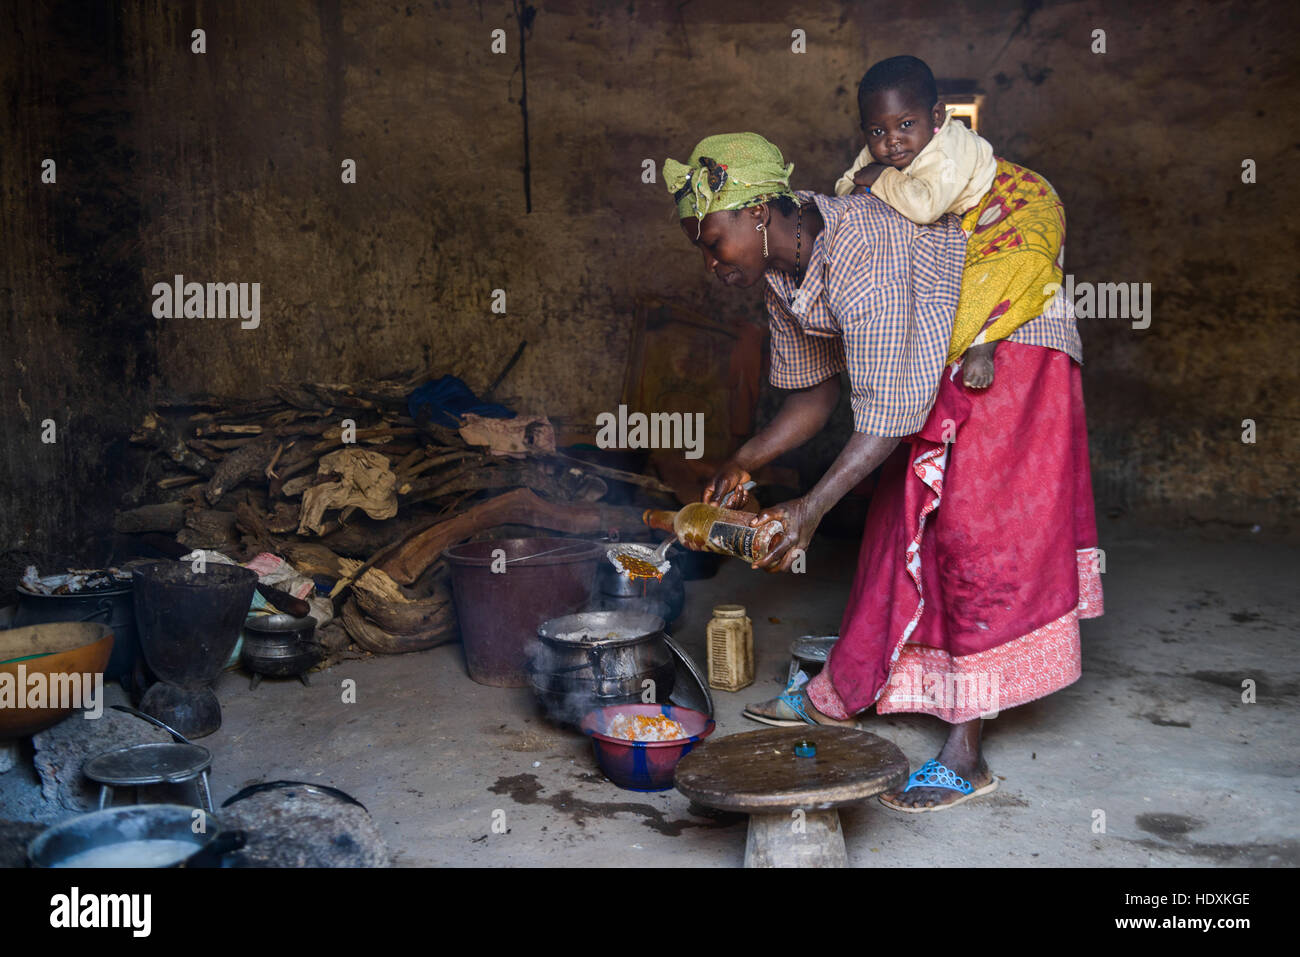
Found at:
(710, 528)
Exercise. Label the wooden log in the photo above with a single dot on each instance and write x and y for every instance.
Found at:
(240, 465)
(169, 517)
(379, 598)
(284, 518)
(471, 476)
(332, 438)
(373, 638)
(209, 528)
(299, 398)
(218, 405)
(290, 466)
(258, 535)
(312, 558)
(520, 506)
(230, 443)
(209, 452)
(503, 478)
(364, 536)
(303, 428)
(409, 485)
(176, 481)
(157, 432)
(632, 478)
(297, 485)
(410, 470)
(439, 433)
(215, 428)
(338, 396)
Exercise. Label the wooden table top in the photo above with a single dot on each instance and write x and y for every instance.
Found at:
(758, 771)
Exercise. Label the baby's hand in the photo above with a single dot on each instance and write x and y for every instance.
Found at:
(868, 174)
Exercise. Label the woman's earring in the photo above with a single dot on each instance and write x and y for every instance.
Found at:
(763, 229)
(936, 129)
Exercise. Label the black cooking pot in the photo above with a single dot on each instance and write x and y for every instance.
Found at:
(281, 646)
(111, 606)
(138, 822)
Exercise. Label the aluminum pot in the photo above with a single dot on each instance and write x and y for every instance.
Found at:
(138, 825)
(576, 666)
(617, 592)
(281, 646)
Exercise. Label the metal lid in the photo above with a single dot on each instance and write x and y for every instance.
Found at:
(813, 647)
(728, 611)
(148, 764)
(690, 689)
(590, 628)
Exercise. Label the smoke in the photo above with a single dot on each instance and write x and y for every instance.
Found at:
(568, 677)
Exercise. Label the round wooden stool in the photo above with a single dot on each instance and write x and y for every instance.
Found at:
(791, 801)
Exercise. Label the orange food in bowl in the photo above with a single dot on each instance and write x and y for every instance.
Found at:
(644, 727)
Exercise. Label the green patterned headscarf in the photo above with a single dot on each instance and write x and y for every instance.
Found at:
(728, 171)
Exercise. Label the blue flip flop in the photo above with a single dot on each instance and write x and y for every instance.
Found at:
(932, 774)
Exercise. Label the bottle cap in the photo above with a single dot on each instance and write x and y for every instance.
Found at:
(728, 611)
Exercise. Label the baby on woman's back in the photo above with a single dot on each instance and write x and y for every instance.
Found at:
(923, 162)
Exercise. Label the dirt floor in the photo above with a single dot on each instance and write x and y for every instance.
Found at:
(1155, 735)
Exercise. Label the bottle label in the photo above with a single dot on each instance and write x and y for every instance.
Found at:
(735, 540)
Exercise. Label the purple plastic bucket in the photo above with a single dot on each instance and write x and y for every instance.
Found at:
(500, 611)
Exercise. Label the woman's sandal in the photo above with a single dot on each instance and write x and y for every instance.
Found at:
(932, 774)
(788, 711)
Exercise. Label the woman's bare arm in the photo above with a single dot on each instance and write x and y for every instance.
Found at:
(803, 414)
(800, 517)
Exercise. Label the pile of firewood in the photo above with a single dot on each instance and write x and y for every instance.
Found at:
(270, 475)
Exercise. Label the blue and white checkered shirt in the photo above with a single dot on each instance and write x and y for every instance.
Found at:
(878, 299)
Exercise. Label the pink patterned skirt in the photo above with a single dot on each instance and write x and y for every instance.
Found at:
(978, 555)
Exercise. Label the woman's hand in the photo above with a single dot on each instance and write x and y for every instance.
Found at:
(799, 519)
(868, 174)
(725, 489)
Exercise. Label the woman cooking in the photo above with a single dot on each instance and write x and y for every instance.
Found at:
(977, 553)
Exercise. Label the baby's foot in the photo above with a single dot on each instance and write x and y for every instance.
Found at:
(977, 369)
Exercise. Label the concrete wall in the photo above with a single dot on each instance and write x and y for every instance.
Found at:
(226, 167)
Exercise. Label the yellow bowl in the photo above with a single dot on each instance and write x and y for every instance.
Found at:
(57, 648)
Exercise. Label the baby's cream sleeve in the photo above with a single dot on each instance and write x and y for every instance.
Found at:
(931, 184)
(844, 185)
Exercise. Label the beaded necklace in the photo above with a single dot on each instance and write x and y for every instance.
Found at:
(798, 245)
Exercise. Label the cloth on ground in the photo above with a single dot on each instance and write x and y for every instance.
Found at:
(365, 480)
(274, 570)
(444, 400)
(514, 438)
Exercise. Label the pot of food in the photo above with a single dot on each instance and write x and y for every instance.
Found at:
(141, 835)
(600, 658)
(102, 596)
(281, 646)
